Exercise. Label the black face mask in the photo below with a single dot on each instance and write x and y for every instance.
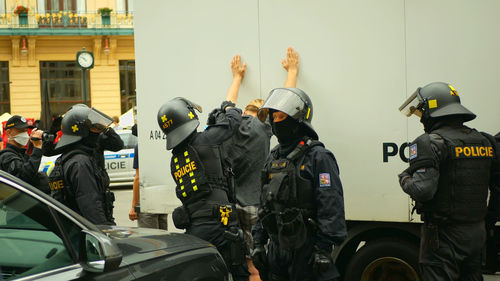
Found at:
(91, 140)
(287, 130)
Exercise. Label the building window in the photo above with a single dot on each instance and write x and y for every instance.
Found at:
(127, 84)
(60, 5)
(61, 83)
(124, 6)
(2, 7)
(4, 87)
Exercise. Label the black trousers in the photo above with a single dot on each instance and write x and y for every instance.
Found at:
(452, 252)
(213, 231)
(295, 265)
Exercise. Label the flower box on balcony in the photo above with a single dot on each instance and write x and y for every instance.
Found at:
(106, 19)
(22, 12)
(105, 15)
(23, 19)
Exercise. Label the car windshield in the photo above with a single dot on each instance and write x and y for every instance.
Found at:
(31, 239)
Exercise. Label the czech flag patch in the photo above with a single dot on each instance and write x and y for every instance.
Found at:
(413, 151)
(324, 180)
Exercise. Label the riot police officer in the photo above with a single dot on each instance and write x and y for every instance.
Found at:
(77, 180)
(451, 168)
(302, 205)
(204, 177)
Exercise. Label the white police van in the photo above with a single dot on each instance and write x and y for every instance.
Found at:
(119, 165)
(359, 61)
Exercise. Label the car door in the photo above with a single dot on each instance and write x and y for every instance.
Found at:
(38, 241)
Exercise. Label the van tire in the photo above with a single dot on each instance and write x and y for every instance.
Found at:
(397, 259)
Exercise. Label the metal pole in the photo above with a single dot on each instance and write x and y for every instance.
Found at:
(84, 71)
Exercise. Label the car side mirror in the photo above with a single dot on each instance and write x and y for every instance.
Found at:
(98, 253)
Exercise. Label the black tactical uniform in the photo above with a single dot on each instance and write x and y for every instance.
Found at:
(302, 206)
(451, 169)
(77, 180)
(204, 178)
(15, 161)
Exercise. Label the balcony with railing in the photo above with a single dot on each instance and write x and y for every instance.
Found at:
(66, 23)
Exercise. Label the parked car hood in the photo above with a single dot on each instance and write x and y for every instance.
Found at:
(138, 244)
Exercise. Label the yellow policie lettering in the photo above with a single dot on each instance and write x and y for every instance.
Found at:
(184, 170)
(55, 185)
(474, 151)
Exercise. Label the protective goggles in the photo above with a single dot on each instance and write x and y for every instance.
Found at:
(412, 104)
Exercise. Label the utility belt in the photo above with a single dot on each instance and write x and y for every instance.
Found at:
(208, 209)
(290, 227)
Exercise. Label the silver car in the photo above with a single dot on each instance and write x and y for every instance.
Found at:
(119, 165)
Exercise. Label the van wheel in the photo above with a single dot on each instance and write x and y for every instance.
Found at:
(384, 260)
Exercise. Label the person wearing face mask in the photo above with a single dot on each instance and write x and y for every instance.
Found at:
(301, 214)
(77, 179)
(452, 167)
(14, 159)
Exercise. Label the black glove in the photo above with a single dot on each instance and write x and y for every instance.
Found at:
(212, 117)
(55, 125)
(403, 177)
(322, 261)
(259, 257)
(225, 104)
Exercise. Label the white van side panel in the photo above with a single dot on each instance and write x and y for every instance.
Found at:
(359, 60)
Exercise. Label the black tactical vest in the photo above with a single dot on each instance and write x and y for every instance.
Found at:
(197, 170)
(60, 188)
(464, 177)
(287, 198)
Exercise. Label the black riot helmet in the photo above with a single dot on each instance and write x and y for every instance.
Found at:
(78, 121)
(177, 119)
(295, 103)
(436, 100)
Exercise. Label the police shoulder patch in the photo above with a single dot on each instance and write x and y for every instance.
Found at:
(324, 180)
(413, 151)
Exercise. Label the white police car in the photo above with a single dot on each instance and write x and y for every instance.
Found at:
(119, 165)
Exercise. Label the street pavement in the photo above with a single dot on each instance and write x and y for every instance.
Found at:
(123, 204)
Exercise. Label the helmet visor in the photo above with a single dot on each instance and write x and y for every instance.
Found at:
(286, 101)
(98, 120)
(412, 104)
